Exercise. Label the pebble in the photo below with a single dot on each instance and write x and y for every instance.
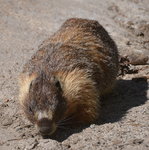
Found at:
(7, 122)
(92, 126)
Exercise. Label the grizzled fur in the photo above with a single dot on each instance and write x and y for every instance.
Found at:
(69, 73)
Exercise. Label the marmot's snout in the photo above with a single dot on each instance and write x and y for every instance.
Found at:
(46, 126)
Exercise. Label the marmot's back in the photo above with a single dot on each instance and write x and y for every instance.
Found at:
(68, 74)
(79, 43)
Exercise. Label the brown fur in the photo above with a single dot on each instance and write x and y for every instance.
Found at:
(80, 91)
(24, 83)
(83, 58)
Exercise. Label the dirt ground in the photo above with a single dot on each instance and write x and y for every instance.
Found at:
(124, 124)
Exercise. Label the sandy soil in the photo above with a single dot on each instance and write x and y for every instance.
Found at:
(124, 124)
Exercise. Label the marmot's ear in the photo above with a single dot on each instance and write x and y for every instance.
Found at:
(24, 84)
(32, 83)
(26, 81)
(58, 85)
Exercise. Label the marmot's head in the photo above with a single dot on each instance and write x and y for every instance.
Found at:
(43, 102)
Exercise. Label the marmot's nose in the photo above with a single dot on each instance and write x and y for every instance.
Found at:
(45, 126)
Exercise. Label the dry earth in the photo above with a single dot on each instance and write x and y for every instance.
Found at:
(124, 124)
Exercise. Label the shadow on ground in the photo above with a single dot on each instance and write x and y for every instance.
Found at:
(127, 94)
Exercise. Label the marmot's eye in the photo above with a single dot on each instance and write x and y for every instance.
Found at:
(58, 84)
(32, 106)
(30, 109)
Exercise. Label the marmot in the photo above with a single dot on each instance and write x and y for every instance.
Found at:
(68, 74)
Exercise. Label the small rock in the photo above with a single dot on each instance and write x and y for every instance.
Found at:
(128, 43)
(138, 58)
(146, 142)
(92, 126)
(138, 141)
(7, 122)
